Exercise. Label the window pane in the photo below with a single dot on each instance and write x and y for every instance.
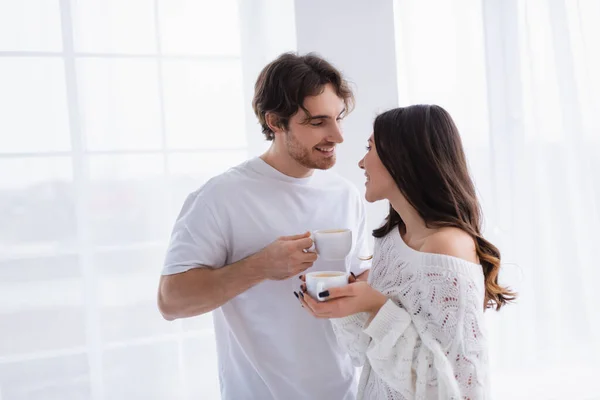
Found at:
(204, 104)
(541, 95)
(30, 25)
(37, 207)
(143, 372)
(446, 69)
(59, 378)
(127, 199)
(584, 30)
(199, 27)
(33, 101)
(202, 323)
(41, 305)
(26, 269)
(199, 357)
(188, 171)
(114, 26)
(41, 316)
(120, 104)
(128, 281)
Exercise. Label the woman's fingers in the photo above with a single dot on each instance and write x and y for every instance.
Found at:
(352, 278)
(317, 308)
(304, 302)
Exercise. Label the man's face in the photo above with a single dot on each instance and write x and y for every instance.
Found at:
(312, 142)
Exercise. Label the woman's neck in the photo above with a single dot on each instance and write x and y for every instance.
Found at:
(414, 230)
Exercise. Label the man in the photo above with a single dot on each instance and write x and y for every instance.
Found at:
(241, 240)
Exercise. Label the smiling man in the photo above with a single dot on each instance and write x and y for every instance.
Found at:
(240, 241)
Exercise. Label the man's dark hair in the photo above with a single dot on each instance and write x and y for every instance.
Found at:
(283, 85)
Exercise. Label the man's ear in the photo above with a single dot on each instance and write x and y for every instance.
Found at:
(273, 122)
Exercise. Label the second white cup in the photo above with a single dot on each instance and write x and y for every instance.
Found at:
(319, 281)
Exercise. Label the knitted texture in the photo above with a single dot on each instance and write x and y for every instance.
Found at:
(428, 341)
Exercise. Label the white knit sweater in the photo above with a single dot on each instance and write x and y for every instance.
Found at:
(428, 340)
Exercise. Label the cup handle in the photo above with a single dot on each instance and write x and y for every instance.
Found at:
(320, 288)
(312, 248)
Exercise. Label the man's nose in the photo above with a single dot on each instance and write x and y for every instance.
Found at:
(336, 134)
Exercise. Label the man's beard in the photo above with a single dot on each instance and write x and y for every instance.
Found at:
(306, 157)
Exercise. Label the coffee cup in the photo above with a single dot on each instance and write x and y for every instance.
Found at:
(319, 281)
(332, 244)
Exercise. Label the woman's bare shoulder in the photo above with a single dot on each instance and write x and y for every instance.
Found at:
(451, 242)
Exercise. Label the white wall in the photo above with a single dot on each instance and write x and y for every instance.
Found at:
(363, 48)
(267, 29)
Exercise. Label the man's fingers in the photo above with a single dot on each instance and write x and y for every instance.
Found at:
(303, 243)
(301, 268)
(296, 237)
(308, 257)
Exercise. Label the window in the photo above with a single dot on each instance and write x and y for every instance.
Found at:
(112, 113)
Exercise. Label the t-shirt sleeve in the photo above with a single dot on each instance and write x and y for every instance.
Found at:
(361, 249)
(197, 239)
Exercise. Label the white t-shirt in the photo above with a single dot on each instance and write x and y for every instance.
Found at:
(268, 346)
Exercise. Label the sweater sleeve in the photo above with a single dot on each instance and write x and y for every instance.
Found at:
(390, 351)
(350, 336)
(441, 309)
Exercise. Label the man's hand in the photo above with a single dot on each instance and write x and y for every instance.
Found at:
(286, 257)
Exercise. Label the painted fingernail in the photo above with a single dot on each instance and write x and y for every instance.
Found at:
(301, 294)
(296, 294)
(352, 273)
(324, 293)
(300, 277)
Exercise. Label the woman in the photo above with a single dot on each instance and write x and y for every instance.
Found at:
(416, 326)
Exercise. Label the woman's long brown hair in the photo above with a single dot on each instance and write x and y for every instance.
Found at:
(421, 148)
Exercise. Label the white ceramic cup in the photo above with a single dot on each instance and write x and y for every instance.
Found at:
(332, 244)
(318, 281)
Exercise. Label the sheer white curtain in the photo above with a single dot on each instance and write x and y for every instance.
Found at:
(110, 113)
(522, 80)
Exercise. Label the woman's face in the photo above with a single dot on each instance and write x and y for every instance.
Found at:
(380, 184)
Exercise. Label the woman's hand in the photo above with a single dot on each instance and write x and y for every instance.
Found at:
(344, 301)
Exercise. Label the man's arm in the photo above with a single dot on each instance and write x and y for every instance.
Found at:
(201, 290)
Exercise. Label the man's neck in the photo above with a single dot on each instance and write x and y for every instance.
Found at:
(282, 162)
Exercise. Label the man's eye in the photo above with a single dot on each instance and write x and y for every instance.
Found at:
(316, 123)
